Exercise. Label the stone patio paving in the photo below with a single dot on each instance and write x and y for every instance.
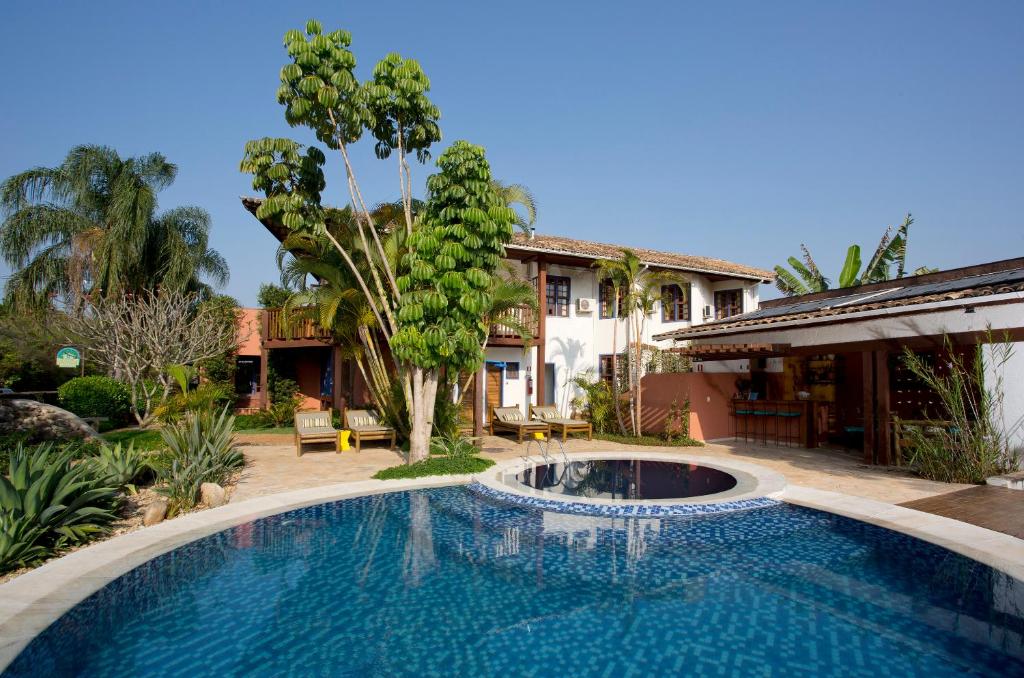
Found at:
(275, 468)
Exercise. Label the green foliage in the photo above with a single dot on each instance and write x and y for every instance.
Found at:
(121, 466)
(90, 227)
(272, 296)
(453, 446)
(143, 439)
(436, 466)
(459, 244)
(292, 182)
(647, 440)
(891, 251)
(220, 370)
(973, 439)
(96, 397)
(677, 422)
(401, 114)
(596, 402)
(446, 417)
(48, 502)
(200, 448)
(851, 267)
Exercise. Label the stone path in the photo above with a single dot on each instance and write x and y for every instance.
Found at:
(274, 467)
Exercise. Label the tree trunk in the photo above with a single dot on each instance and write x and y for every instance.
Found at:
(639, 378)
(616, 399)
(424, 393)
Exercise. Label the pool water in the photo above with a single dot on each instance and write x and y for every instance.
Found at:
(627, 479)
(443, 582)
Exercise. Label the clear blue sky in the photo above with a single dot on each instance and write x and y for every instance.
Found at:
(736, 130)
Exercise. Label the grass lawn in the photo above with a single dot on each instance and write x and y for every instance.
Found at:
(142, 438)
(650, 441)
(435, 466)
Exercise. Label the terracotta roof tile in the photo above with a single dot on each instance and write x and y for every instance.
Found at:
(595, 250)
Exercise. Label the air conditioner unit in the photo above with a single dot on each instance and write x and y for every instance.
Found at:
(585, 305)
(709, 312)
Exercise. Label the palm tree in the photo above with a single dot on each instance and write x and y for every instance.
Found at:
(640, 288)
(891, 250)
(89, 227)
(517, 195)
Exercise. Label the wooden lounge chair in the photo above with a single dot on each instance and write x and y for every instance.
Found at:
(313, 427)
(512, 419)
(550, 415)
(365, 425)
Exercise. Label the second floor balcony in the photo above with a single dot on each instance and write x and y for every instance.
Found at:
(279, 331)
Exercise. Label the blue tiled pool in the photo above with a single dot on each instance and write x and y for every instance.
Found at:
(448, 582)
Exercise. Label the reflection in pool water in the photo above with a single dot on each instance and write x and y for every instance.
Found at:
(442, 582)
(627, 479)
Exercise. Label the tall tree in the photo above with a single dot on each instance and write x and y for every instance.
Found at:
(89, 227)
(320, 91)
(640, 289)
(806, 278)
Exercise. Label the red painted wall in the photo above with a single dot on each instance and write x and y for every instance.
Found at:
(709, 393)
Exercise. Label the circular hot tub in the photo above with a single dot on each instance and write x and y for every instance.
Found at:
(627, 479)
(625, 483)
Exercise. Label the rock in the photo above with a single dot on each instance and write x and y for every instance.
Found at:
(213, 495)
(155, 513)
(41, 421)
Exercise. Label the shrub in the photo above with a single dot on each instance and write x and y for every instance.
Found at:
(596, 403)
(48, 502)
(974, 440)
(200, 449)
(96, 397)
(677, 422)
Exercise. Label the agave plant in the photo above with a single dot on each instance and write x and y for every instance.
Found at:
(121, 466)
(49, 501)
(19, 542)
(200, 449)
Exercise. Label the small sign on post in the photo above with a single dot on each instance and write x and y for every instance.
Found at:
(69, 357)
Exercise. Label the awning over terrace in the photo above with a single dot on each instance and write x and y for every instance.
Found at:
(731, 351)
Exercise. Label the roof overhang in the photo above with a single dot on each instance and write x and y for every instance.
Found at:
(731, 351)
(576, 257)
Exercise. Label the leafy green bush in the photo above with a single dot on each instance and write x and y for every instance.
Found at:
(48, 502)
(972, 438)
(200, 448)
(96, 397)
(596, 402)
(677, 422)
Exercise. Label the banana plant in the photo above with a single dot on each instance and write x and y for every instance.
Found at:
(806, 278)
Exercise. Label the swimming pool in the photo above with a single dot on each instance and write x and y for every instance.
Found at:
(450, 582)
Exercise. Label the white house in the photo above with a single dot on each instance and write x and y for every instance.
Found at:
(577, 331)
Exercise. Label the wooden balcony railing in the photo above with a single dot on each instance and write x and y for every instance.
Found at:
(293, 329)
(504, 335)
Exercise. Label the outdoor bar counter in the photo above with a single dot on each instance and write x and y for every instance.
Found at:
(778, 422)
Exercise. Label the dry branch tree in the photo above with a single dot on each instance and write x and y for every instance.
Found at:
(137, 337)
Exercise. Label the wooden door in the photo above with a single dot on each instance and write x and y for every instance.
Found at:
(494, 384)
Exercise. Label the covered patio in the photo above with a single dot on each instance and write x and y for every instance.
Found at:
(828, 368)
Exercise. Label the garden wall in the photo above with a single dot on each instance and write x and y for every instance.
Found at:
(709, 393)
